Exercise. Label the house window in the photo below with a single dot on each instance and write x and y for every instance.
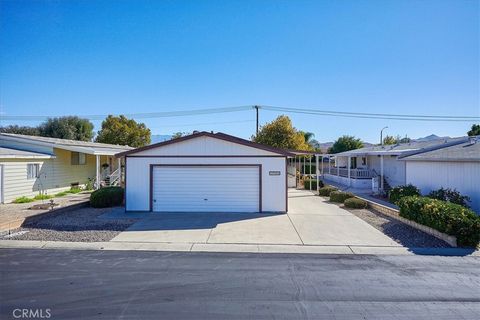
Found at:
(33, 170)
(364, 161)
(78, 158)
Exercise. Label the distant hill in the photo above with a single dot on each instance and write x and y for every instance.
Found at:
(431, 138)
(156, 138)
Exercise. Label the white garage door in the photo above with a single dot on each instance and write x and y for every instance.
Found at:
(205, 189)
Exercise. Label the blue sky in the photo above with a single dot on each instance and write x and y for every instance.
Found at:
(100, 57)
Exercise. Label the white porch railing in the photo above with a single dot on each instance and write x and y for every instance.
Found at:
(354, 173)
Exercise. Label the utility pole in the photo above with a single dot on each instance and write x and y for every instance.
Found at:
(256, 108)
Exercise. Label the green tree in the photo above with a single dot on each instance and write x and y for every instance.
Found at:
(29, 131)
(389, 140)
(405, 140)
(475, 131)
(280, 133)
(179, 134)
(70, 127)
(345, 143)
(123, 131)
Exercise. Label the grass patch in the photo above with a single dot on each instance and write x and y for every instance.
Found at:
(23, 200)
(74, 190)
(42, 197)
(61, 194)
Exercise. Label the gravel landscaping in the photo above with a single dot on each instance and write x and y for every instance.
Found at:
(81, 225)
(398, 231)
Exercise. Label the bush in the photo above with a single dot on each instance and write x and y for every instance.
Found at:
(443, 216)
(23, 200)
(450, 195)
(42, 197)
(340, 196)
(311, 184)
(107, 197)
(308, 169)
(355, 203)
(325, 191)
(399, 192)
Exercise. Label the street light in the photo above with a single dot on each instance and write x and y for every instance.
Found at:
(381, 135)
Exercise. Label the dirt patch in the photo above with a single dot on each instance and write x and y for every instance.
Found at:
(80, 225)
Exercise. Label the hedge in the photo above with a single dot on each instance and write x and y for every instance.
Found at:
(325, 191)
(443, 216)
(340, 196)
(355, 203)
(308, 169)
(311, 184)
(399, 192)
(107, 197)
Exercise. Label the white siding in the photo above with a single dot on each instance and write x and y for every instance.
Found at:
(55, 175)
(138, 179)
(393, 169)
(204, 146)
(463, 176)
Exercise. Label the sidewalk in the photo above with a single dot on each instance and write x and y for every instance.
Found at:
(239, 248)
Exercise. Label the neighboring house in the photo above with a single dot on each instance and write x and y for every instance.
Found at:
(455, 167)
(206, 172)
(363, 168)
(30, 165)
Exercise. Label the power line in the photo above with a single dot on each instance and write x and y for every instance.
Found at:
(146, 115)
(317, 112)
(404, 117)
(201, 123)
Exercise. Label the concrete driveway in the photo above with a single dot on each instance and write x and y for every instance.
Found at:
(311, 221)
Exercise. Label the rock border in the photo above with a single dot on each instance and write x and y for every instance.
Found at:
(394, 213)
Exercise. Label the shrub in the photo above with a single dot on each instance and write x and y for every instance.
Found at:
(399, 192)
(450, 195)
(107, 197)
(42, 197)
(443, 216)
(340, 196)
(308, 169)
(23, 200)
(325, 191)
(355, 203)
(311, 184)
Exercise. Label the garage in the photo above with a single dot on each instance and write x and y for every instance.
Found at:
(206, 172)
(218, 195)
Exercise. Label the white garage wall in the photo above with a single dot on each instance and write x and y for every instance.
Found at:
(463, 176)
(138, 179)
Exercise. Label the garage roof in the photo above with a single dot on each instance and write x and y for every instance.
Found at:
(218, 135)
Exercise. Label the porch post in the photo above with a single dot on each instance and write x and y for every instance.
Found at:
(304, 164)
(316, 171)
(381, 172)
(97, 164)
(119, 168)
(329, 166)
(310, 170)
(348, 169)
(338, 168)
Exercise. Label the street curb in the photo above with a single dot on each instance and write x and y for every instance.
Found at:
(235, 248)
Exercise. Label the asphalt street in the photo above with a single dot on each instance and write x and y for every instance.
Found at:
(160, 285)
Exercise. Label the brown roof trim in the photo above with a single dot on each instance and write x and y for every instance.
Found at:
(218, 135)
